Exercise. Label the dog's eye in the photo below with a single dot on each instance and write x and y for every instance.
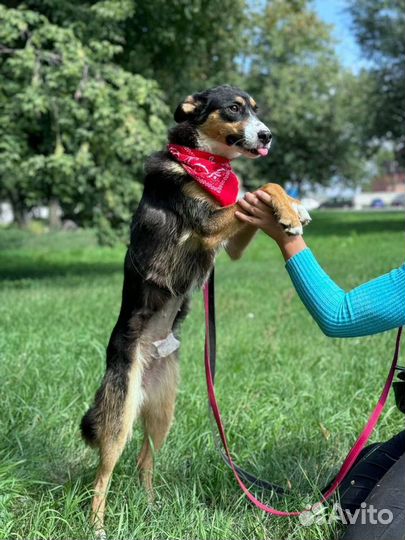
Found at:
(234, 108)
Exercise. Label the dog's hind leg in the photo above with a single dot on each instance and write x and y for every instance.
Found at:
(157, 413)
(118, 403)
(160, 384)
(110, 451)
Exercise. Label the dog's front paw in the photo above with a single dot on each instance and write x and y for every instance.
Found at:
(302, 212)
(289, 212)
(290, 226)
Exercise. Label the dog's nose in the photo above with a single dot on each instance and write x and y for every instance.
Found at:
(264, 136)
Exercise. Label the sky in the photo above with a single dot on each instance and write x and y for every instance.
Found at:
(333, 12)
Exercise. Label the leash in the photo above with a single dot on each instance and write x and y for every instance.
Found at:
(210, 335)
(240, 474)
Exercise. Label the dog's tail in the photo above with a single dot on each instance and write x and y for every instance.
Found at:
(88, 428)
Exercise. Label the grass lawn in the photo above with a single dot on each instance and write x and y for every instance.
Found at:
(293, 400)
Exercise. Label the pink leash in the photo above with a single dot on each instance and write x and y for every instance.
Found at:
(352, 455)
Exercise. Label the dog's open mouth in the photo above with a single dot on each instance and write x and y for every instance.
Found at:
(235, 140)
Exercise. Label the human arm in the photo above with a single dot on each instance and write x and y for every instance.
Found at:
(373, 307)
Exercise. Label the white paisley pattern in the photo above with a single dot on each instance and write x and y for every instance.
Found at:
(211, 171)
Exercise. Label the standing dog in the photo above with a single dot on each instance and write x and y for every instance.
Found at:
(176, 233)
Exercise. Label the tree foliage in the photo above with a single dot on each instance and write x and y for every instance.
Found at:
(379, 26)
(86, 88)
(75, 126)
(307, 97)
(187, 45)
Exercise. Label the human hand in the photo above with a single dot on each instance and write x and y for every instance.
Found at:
(257, 211)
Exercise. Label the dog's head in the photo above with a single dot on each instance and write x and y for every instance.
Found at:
(222, 120)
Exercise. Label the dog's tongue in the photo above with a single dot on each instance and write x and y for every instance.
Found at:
(263, 151)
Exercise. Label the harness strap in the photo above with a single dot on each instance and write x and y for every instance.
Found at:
(210, 364)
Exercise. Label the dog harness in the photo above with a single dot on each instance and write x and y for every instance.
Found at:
(212, 172)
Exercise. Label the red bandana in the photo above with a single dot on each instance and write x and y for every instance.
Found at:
(213, 173)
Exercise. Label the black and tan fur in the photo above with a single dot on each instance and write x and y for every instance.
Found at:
(175, 235)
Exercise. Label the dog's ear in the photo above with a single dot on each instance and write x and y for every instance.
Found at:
(188, 109)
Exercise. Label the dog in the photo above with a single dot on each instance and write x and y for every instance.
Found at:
(176, 233)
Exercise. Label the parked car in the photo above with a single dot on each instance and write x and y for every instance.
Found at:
(377, 203)
(399, 200)
(337, 202)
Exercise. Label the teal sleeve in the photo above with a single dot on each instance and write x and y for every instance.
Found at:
(375, 306)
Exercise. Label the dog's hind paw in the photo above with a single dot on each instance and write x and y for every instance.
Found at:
(101, 534)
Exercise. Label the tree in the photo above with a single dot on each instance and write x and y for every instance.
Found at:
(379, 26)
(74, 126)
(309, 100)
(186, 45)
(77, 112)
(84, 88)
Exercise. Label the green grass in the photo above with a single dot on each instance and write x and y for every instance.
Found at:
(293, 400)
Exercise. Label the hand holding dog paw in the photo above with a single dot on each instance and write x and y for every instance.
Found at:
(257, 209)
(258, 213)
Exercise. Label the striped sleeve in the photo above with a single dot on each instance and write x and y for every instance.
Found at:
(373, 307)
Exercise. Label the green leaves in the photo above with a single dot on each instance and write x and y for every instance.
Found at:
(186, 45)
(380, 28)
(74, 126)
(84, 88)
(303, 92)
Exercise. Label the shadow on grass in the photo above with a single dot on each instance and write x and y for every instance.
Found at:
(31, 269)
(24, 255)
(345, 224)
(35, 266)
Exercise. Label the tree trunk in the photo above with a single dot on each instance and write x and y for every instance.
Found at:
(55, 221)
(20, 213)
